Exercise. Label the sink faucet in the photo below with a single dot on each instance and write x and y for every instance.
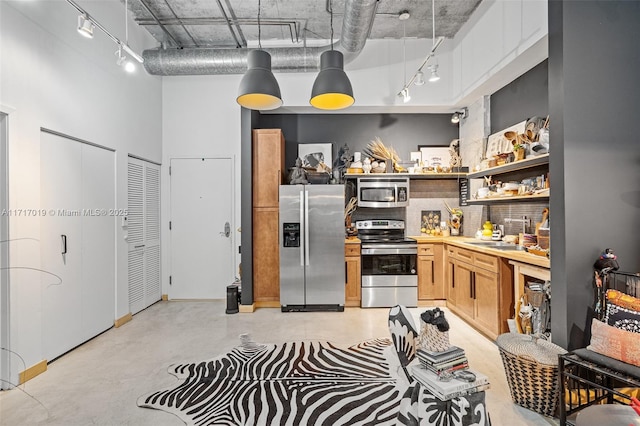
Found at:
(525, 222)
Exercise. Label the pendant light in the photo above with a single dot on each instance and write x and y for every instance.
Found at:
(332, 88)
(259, 89)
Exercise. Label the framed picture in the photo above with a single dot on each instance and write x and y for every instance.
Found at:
(433, 156)
(313, 154)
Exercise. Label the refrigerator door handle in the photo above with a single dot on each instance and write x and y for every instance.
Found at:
(306, 227)
(303, 235)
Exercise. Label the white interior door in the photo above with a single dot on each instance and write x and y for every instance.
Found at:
(61, 244)
(98, 240)
(201, 207)
(77, 242)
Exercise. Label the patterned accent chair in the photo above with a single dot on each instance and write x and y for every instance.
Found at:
(404, 336)
(418, 406)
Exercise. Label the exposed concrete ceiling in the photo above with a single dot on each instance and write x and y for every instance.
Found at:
(234, 23)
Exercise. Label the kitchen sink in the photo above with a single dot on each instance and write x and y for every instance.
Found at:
(498, 245)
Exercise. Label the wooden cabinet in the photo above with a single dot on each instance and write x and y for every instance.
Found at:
(266, 256)
(430, 272)
(486, 295)
(268, 164)
(481, 288)
(352, 274)
(464, 290)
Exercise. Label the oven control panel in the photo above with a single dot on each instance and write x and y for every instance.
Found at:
(380, 224)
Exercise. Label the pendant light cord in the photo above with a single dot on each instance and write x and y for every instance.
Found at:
(259, 28)
(331, 21)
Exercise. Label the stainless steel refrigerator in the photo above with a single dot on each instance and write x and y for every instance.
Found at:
(312, 272)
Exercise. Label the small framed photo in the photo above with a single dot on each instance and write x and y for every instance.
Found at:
(313, 154)
(434, 156)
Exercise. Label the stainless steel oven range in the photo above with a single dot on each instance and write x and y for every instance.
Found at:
(389, 264)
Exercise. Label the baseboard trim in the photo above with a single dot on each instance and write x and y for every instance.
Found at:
(268, 304)
(123, 320)
(247, 309)
(32, 371)
(432, 303)
(165, 297)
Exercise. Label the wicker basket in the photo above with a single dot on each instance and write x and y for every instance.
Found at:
(531, 366)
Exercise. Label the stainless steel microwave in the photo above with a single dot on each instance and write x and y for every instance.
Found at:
(383, 192)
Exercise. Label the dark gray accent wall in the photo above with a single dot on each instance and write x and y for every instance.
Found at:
(247, 120)
(404, 132)
(594, 64)
(525, 97)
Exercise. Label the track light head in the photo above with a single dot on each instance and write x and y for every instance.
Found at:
(85, 26)
(404, 95)
(459, 115)
(419, 80)
(123, 61)
(120, 58)
(434, 74)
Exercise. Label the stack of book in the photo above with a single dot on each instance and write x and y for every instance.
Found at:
(453, 388)
(451, 360)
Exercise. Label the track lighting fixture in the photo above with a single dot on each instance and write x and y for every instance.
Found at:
(85, 26)
(418, 77)
(459, 115)
(332, 89)
(259, 89)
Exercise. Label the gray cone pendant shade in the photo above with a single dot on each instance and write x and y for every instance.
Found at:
(332, 88)
(259, 88)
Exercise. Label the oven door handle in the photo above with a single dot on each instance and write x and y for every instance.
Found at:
(387, 250)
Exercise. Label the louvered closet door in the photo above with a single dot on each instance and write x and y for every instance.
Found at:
(143, 234)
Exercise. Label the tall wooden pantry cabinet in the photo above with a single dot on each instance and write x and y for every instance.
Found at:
(268, 169)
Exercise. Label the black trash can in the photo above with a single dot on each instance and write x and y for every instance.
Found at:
(232, 299)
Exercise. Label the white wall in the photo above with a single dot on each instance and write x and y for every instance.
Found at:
(503, 40)
(51, 77)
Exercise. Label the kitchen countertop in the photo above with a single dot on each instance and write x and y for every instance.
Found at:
(464, 242)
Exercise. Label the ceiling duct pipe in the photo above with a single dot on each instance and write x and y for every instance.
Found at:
(356, 25)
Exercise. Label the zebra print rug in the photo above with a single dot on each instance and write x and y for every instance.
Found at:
(297, 383)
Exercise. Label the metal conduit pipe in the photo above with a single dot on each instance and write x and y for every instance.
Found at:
(356, 25)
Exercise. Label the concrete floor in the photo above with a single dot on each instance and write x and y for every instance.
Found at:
(98, 383)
